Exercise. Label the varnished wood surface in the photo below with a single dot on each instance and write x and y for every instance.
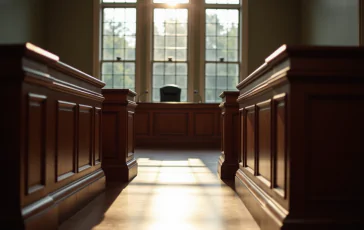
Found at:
(51, 159)
(177, 125)
(229, 159)
(173, 190)
(301, 116)
(118, 139)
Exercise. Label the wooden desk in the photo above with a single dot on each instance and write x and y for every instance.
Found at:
(178, 125)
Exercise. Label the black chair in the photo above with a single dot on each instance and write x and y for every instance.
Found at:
(170, 92)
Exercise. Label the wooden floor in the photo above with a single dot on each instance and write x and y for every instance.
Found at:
(173, 190)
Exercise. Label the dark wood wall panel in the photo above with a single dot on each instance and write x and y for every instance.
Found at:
(264, 140)
(130, 145)
(45, 134)
(204, 124)
(109, 141)
(325, 144)
(250, 137)
(97, 140)
(242, 137)
(177, 125)
(142, 124)
(66, 144)
(170, 123)
(36, 122)
(84, 137)
(280, 134)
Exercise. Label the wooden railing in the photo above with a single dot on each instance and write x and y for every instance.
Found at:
(301, 125)
(51, 142)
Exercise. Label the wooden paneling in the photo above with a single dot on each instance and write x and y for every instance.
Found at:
(36, 123)
(170, 124)
(109, 138)
(177, 125)
(119, 162)
(264, 140)
(327, 142)
(142, 123)
(280, 143)
(228, 162)
(250, 137)
(130, 145)
(66, 144)
(44, 135)
(204, 124)
(308, 131)
(97, 141)
(84, 137)
(242, 113)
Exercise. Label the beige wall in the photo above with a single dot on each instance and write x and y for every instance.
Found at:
(70, 32)
(271, 23)
(330, 22)
(22, 21)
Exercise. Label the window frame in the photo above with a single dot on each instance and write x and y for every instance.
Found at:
(195, 44)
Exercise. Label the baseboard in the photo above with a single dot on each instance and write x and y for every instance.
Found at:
(56, 207)
(121, 173)
(266, 212)
(225, 170)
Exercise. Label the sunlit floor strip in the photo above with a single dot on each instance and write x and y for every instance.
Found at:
(173, 190)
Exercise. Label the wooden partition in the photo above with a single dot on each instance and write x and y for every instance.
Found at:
(51, 142)
(229, 160)
(118, 161)
(178, 125)
(301, 124)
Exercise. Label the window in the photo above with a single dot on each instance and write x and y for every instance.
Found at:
(193, 44)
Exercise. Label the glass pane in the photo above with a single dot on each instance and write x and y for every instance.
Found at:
(170, 79)
(129, 54)
(170, 68)
(129, 68)
(184, 95)
(232, 82)
(158, 81)
(169, 24)
(211, 55)
(171, 1)
(119, 1)
(221, 69)
(181, 81)
(181, 28)
(170, 41)
(181, 69)
(156, 94)
(108, 80)
(119, 53)
(158, 68)
(211, 69)
(222, 83)
(107, 54)
(118, 68)
(222, 1)
(181, 42)
(210, 95)
(181, 55)
(211, 42)
(129, 81)
(118, 81)
(210, 82)
(107, 68)
(159, 55)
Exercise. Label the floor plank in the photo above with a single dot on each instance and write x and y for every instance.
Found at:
(173, 190)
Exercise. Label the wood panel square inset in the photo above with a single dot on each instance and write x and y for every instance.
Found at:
(204, 124)
(66, 133)
(170, 124)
